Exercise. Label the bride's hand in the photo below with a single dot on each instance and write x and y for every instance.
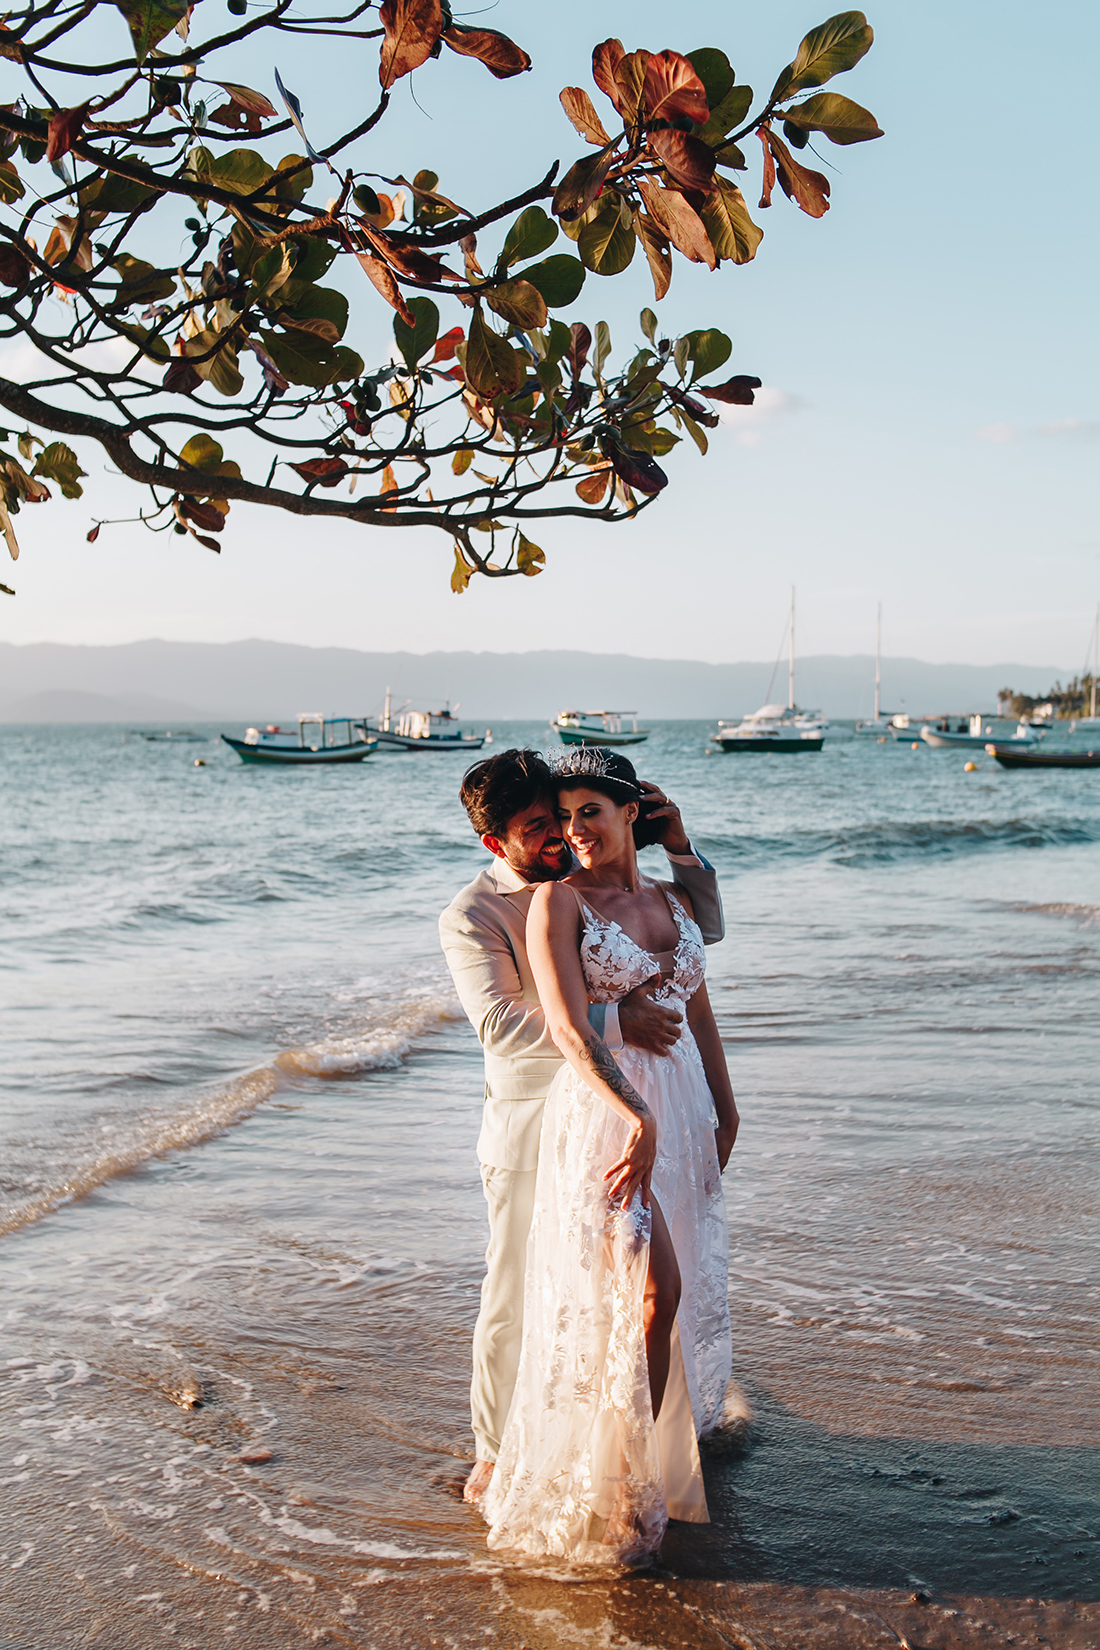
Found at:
(634, 1169)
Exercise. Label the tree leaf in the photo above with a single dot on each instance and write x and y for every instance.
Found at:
(678, 221)
(202, 513)
(658, 257)
(202, 452)
(11, 187)
(726, 219)
(638, 470)
(324, 472)
(841, 120)
(699, 436)
(155, 348)
(582, 184)
(240, 171)
(255, 102)
(594, 486)
(559, 279)
(530, 560)
(304, 359)
(462, 460)
(808, 189)
(59, 463)
(672, 91)
(501, 56)
(708, 349)
(140, 283)
(208, 544)
(606, 243)
(630, 80)
(151, 20)
(493, 368)
(379, 273)
(519, 302)
(581, 111)
(687, 161)
(580, 342)
(832, 47)
(606, 58)
(446, 346)
(648, 323)
(412, 29)
(462, 573)
(603, 347)
(735, 392)
(415, 341)
(715, 71)
(728, 114)
(65, 126)
(531, 234)
(320, 310)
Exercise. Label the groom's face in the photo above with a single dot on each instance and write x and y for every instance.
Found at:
(533, 844)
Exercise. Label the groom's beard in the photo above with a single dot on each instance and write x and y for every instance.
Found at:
(550, 865)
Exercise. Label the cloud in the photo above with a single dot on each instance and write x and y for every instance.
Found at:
(771, 404)
(1062, 429)
(998, 432)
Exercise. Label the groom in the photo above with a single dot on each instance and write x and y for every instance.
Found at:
(509, 799)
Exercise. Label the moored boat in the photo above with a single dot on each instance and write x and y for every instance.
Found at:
(968, 732)
(1009, 757)
(599, 727)
(782, 728)
(332, 739)
(422, 730)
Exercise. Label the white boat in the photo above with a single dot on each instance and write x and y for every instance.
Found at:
(599, 727)
(973, 732)
(318, 738)
(876, 724)
(776, 728)
(423, 730)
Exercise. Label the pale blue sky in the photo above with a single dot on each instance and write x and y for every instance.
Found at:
(930, 428)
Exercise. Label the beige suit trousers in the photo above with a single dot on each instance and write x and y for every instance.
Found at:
(510, 1195)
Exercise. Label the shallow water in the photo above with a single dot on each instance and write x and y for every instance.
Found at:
(241, 1214)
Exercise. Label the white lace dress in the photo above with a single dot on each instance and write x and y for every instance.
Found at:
(583, 1471)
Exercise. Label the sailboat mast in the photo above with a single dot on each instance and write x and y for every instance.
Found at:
(790, 668)
(878, 666)
(1095, 655)
(386, 713)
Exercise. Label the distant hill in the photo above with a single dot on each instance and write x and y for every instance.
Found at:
(247, 681)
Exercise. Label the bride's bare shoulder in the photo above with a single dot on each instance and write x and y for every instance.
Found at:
(557, 901)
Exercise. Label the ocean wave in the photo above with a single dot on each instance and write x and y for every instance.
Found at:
(889, 841)
(381, 1047)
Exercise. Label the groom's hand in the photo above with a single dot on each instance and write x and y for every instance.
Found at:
(648, 1025)
(673, 838)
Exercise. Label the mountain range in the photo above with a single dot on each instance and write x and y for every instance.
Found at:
(154, 682)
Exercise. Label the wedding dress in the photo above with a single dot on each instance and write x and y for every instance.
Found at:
(583, 1471)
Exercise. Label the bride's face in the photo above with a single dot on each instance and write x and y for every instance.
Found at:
(597, 829)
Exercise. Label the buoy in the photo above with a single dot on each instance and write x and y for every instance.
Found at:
(971, 767)
(200, 762)
(915, 745)
(882, 740)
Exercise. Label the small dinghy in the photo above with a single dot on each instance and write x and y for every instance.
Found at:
(1010, 757)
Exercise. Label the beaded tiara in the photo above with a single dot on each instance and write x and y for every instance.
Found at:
(593, 762)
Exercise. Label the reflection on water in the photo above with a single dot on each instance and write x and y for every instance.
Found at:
(233, 1387)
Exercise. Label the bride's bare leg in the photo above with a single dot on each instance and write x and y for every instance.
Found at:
(662, 1297)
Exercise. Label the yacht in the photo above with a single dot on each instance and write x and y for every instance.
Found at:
(877, 724)
(778, 728)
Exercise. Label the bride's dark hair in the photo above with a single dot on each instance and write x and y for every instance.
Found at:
(597, 768)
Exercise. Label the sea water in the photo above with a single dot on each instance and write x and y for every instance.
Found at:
(242, 1223)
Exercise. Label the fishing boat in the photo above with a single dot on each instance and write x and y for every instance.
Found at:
(176, 736)
(422, 730)
(775, 728)
(318, 739)
(599, 727)
(968, 732)
(1009, 757)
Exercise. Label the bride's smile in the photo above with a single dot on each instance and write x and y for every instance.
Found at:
(598, 831)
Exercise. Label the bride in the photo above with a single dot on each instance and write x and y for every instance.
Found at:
(626, 1338)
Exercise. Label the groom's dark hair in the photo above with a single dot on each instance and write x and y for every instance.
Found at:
(495, 790)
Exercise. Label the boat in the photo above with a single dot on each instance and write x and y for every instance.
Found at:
(422, 730)
(181, 736)
(776, 728)
(967, 732)
(318, 739)
(598, 727)
(1010, 757)
(876, 724)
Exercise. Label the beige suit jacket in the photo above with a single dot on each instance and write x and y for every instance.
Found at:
(483, 934)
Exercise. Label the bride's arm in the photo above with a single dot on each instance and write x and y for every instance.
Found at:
(705, 1031)
(553, 935)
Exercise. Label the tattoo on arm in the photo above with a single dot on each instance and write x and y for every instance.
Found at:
(599, 1057)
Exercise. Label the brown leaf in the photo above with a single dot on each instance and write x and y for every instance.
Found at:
(582, 185)
(14, 268)
(630, 80)
(445, 346)
(501, 56)
(493, 367)
(579, 107)
(255, 102)
(735, 392)
(637, 470)
(579, 346)
(325, 472)
(672, 90)
(409, 260)
(412, 29)
(809, 190)
(92, 534)
(593, 487)
(769, 169)
(379, 273)
(519, 302)
(468, 245)
(388, 489)
(687, 161)
(181, 377)
(65, 128)
(238, 119)
(701, 414)
(202, 513)
(606, 58)
(655, 247)
(208, 544)
(678, 221)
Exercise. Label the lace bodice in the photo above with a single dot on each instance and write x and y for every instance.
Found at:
(614, 964)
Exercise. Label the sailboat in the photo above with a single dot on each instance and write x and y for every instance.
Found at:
(1091, 720)
(778, 728)
(878, 723)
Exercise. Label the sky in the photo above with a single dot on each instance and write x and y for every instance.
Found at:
(929, 431)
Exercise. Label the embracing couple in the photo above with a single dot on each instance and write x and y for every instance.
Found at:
(602, 1349)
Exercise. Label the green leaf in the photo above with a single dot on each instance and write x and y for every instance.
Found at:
(240, 171)
(830, 49)
(559, 338)
(491, 365)
(680, 355)
(647, 317)
(726, 219)
(366, 199)
(57, 462)
(729, 113)
(698, 435)
(414, 342)
(519, 302)
(607, 243)
(707, 351)
(150, 21)
(115, 194)
(11, 185)
(308, 360)
(156, 349)
(841, 120)
(141, 283)
(531, 234)
(582, 184)
(202, 452)
(603, 347)
(714, 70)
(529, 558)
(559, 279)
(730, 155)
(320, 310)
